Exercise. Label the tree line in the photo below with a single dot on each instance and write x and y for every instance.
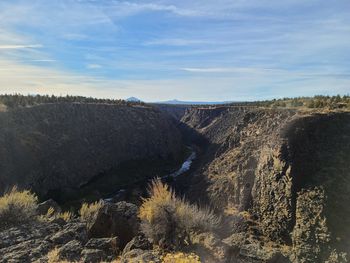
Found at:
(18, 100)
(316, 102)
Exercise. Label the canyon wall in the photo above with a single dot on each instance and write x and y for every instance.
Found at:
(289, 170)
(51, 147)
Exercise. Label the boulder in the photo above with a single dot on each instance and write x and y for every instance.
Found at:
(26, 251)
(139, 255)
(89, 255)
(71, 231)
(70, 251)
(278, 257)
(115, 219)
(44, 207)
(109, 246)
(26, 243)
(210, 246)
(138, 242)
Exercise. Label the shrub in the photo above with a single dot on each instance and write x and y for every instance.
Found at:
(88, 211)
(181, 258)
(169, 221)
(52, 215)
(66, 216)
(54, 257)
(17, 207)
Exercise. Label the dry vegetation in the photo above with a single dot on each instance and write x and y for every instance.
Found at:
(20, 207)
(170, 221)
(53, 257)
(17, 207)
(88, 211)
(51, 215)
(180, 257)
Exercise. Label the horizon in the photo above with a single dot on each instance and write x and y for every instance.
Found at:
(180, 102)
(159, 50)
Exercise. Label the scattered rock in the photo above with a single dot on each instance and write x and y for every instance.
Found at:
(209, 242)
(89, 255)
(44, 207)
(119, 219)
(109, 246)
(71, 231)
(278, 257)
(139, 255)
(70, 251)
(138, 242)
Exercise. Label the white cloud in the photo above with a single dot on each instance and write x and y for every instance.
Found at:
(19, 46)
(127, 8)
(232, 70)
(177, 42)
(43, 60)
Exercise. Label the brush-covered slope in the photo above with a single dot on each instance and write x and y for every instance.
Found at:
(289, 170)
(51, 147)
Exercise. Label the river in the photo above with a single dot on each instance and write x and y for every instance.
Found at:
(186, 165)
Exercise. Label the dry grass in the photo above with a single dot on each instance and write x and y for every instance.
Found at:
(180, 257)
(160, 195)
(17, 207)
(170, 221)
(54, 257)
(66, 216)
(88, 211)
(52, 215)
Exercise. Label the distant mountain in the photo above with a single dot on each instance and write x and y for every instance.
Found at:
(179, 102)
(133, 99)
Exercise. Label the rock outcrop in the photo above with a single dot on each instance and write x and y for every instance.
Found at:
(288, 170)
(74, 241)
(115, 219)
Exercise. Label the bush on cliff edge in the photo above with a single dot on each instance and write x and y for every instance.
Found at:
(17, 207)
(170, 221)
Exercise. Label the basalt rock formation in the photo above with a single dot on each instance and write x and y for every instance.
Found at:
(55, 149)
(289, 171)
(279, 178)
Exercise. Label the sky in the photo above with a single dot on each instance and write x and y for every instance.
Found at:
(198, 50)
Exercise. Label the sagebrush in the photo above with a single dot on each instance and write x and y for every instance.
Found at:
(17, 207)
(170, 221)
(88, 211)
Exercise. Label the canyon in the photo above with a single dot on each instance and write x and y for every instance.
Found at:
(279, 178)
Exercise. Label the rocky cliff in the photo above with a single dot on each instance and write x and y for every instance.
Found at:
(287, 171)
(51, 148)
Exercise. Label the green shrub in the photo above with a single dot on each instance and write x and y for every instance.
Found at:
(17, 207)
(170, 221)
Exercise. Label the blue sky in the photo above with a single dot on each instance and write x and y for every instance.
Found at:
(189, 50)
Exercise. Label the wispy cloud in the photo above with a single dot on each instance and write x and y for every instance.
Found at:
(43, 60)
(177, 42)
(93, 66)
(19, 46)
(232, 70)
(128, 8)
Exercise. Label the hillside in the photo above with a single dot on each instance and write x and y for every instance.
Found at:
(56, 149)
